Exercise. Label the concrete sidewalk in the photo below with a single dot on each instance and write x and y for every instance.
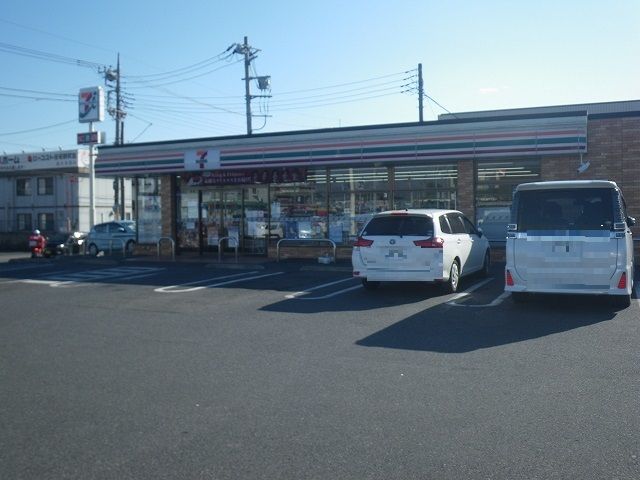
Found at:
(205, 260)
(8, 256)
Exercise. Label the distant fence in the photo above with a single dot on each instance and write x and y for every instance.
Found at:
(14, 241)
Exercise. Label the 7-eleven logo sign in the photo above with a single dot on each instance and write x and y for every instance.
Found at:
(201, 159)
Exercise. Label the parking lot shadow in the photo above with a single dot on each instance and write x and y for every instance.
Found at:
(445, 329)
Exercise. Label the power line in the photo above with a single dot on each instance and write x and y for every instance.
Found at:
(180, 71)
(334, 103)
(51, 57)
(27, 27)
(75, 120)
(150, 84)
(31, 97)
(348, 83)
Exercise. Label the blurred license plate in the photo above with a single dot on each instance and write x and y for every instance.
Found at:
(396, 254)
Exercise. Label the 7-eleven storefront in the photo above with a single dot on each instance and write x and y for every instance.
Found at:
(325, 184)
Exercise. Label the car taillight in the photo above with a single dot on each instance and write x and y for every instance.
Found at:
(435, 242)
(362, 242)
(508, 279)
(622, 284)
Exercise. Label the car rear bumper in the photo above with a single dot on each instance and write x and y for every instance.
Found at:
(555, 286)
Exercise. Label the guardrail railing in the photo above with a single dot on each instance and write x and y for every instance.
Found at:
(235, 241)
(301, 242)
(173, 247)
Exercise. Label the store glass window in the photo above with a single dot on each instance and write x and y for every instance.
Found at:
(356, 194)
(299, 210)
(23, 221)
(187, 217)
(45, 186)
(149, 223)
(23, 187)
(495, 182)
(427, 186)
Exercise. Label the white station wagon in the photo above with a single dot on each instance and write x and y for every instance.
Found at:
(419, 245)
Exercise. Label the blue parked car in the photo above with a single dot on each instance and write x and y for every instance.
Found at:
(112, 236)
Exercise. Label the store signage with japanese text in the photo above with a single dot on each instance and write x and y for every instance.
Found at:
(248, 177)
(43, 160)
(90, 138)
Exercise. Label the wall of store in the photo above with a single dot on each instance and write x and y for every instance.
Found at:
(613, 153)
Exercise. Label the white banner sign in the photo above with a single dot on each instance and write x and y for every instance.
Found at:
(195, 160)
(44, 160)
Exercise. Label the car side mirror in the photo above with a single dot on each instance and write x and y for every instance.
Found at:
(631, 221)
(121, 230)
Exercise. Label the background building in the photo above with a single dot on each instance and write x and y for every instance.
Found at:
(50, 191)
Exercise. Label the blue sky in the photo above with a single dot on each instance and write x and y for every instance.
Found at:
(332, 63)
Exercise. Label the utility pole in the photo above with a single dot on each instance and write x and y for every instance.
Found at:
(118, 114)
(249, 54)
(420, 94)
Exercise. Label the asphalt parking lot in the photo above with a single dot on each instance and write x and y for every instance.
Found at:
(130, 369)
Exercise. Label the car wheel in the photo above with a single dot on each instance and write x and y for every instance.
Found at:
(454, 278)
(486, 265)
(93, 250)
(519, 297)
(370, 285)
(129, 247)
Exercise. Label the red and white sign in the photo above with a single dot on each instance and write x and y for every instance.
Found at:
(91, 105)
(202, 159)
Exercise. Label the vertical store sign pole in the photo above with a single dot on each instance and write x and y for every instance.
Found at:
(92, 179)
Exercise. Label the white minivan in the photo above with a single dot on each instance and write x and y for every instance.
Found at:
(570, 237)
(424, 245)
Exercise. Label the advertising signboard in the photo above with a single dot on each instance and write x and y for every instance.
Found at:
(91, 105)
(43, 160)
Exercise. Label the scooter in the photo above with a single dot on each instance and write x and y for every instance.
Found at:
(37, 244)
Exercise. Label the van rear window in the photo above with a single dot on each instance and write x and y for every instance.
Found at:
(400, 225)
(565, 209)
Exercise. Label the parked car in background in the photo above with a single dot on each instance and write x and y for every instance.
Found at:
(428, 245)
(112, 236)
(76, 242)
(570, 237)
(64, 243)
(56, 244)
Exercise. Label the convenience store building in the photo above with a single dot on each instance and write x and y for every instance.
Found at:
(324, 184)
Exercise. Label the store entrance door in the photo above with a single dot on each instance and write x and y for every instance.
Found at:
(238, 213)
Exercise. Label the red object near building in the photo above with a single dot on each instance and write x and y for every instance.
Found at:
(37, 243)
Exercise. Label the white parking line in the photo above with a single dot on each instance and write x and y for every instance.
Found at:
(177, 289)
(197, 282)
(317, 287)
(77, 279)
(339, 292)
(496, 301)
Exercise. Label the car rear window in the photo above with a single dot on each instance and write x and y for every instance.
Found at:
(573, 208)
(400, 225)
